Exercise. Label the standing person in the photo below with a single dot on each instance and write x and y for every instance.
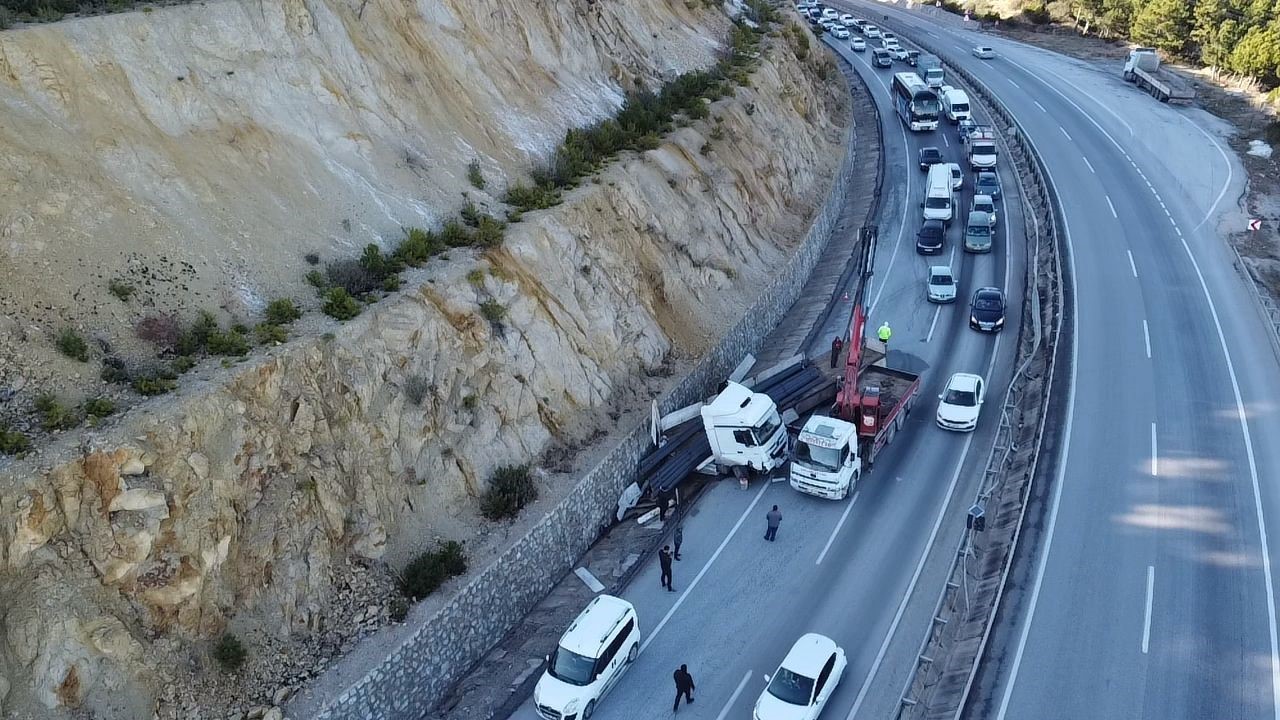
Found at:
(837, 344)
(684, 686)
(664, 560)
(774, 517)
(884, 333)
(679, 538)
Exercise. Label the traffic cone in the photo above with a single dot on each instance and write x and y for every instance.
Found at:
(846, 296)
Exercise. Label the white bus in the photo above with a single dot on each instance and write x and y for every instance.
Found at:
(915, 102)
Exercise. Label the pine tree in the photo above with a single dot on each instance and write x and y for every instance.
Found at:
(1163, 24)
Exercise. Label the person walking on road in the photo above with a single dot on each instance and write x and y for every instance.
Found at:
(884, 333)
(684, 686)
(774, 517)
(678, 539)
(837, 344)
(664, 560)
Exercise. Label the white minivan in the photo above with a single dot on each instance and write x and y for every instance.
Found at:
(938, 194)
(598, 647)
(955, 103)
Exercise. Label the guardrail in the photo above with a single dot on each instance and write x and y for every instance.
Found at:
(1266, 306)
(947, 661)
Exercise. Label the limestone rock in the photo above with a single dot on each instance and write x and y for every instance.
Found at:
(137, 499)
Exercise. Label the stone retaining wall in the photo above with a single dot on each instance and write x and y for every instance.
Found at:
(413, 678)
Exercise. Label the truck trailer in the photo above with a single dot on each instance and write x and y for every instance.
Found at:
(1143, 69)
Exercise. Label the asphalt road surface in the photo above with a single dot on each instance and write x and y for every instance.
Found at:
(845, 569)
(1148, 590)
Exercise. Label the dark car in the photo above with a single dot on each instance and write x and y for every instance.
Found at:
(929, 156)
(913, 58)
(965, 126)
(987, 184)
(931, 237)
(986, 312)
(881, 58)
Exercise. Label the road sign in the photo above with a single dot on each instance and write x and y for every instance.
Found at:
(1255, 224)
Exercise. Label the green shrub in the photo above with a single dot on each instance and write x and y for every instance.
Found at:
(352, 276)
(13, 442)
(282, 311)
(455, 234)
(391, 283)
(6, 22)
(470, 401)
(489, 233)
(476, 277)
(54, 415)
(493, 311)
(429, 570)
(72, 345)
(317, 280)
(230, 653)
(270, 333)
(510, 489)
(470, 214)
(230, 343)
(99, 407)
(113, 370)
(532, 197)
(150, 385)
(121, 289)
(418, 246)
(339, 304)
(475, 175)
(182, 364)
(377, 264)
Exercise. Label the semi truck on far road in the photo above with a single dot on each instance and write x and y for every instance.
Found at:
(1143, 69)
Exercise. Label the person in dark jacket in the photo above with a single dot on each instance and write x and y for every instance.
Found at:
(678, 539)
(684, 686)
(774, 517)
(664, 560)
(837, 345)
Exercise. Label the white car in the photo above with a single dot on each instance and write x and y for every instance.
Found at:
(600, 645)
(961, 402)
(957, 176)
(941, 287)
(858, 45)
(839, 32)
(846, 20)
(897, 53)
(804, 682)
(872, 31)
(828, 24)
(830, 14)
(984, 52)
(984, 203)
(889, 37)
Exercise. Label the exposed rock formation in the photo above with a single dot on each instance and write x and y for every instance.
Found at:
(239, 498)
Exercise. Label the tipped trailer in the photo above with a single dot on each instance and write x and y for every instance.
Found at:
(1142, 68)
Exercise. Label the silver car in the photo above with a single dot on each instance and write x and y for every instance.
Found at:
(941, 287)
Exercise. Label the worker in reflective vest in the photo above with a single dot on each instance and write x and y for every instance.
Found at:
(885, 333)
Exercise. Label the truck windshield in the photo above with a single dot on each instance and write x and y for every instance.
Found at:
(571, 667)
(766, 428)
(984, 149)
(818, 458)
(959, 107)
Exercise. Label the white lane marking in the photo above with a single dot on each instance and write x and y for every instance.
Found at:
(588, 579)
(937, 311)
(724, 543)
(1088, 164)
(1113, 207)
(1037, 102)
(1146, 620)
(843, 516)
(1057, 485)
(906, 207)
(1172, 221)
(1078, 89)
(1253, 476)
(1064, 132)
(1225, 185)
(1146, 336)
(1155, 456)
(724, 713)
(1132, 266)
(945, 141)
(1011, 82)
(1177, 230)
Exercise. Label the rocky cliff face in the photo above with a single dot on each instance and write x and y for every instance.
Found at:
(232, 133)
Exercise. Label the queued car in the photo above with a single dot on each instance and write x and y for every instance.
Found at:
(839, 32)
(828, 24)
(964, 127)
(983, 52)
(941, 285)
(984, 203)
(957, 176)
(881, 58)
(986, 311)
(988, 183)
(871, 31)
(978, 234)
(931, 237)
(960, 403)
(858, 45)
(913, 58)
(897, 53)
(830, 14)
(846, 20)
(929, 156)
(888, 37)
(801, 686)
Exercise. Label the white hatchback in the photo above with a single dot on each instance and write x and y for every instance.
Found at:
(961, 402)
(941, 287)
(804, 682)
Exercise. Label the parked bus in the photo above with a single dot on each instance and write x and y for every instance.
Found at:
(915, 102)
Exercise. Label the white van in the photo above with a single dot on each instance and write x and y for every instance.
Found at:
(955, 103)
(589, 660)
(938, 199)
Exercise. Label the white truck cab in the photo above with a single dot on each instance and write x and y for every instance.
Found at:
(744, 429)
(825, 462)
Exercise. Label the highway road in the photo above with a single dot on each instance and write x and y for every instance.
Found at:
(845, 569)
(1147, 590)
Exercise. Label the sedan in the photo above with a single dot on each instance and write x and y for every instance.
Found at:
(839, 32)
(986, 312)
(887, 36)
(858, 45)
(846, 20)
(984, 52)
(828, 24)
(931, 237)
(965, 127)
(872, 31)
(804, 682)
(984, 203)
(830, 14)
(929, 155)
(941, 286)
(988, 183)
(961, 402)
(897, 53)
(957, 176)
